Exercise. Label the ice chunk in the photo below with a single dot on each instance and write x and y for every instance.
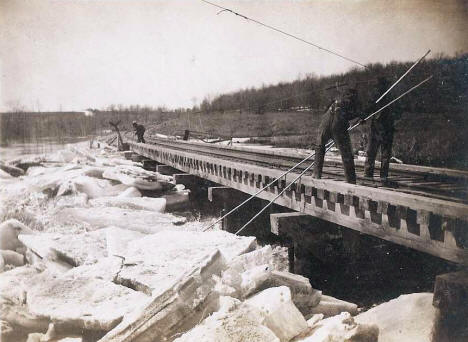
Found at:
(139, 203)
(118, 239)
(232, 323)
(143, 221)
(175, 308)
(404, 319)
(130, 192)
(12, 258)
(85, 303)
(9, 231)
(154, 261)
(75, 249)
(341, 328)
(330, 306)
(279, 313)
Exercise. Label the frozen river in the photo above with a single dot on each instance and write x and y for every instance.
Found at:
(38, 147)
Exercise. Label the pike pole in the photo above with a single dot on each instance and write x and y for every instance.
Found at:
(327, 149)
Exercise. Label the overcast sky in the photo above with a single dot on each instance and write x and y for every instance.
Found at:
(74, 54)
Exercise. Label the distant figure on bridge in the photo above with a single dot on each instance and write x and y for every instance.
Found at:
(334, 125)
(381, 130)
(139, 131)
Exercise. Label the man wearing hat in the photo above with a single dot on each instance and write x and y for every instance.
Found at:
(382, 128)
(139, 131)
(334, 125)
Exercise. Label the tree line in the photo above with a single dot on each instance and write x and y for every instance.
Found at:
(447, 92)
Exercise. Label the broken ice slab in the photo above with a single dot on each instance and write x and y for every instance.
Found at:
(118, 239)
(406, 318)
(75, 249)
(129, 193)
(154, 261)
(104, 269)
(176, 308)
(279, 312)
(13, 309)
(252, 272)
(234, 321)
(341, 327)
(12, 258)
(266, 317)
(137, 203)
(84, 303)
(143, 221)
(139, 178)
(330, 306)
(9, 231)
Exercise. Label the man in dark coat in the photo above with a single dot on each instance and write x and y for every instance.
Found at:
(382, 128)
(139, 131)
(334, 125)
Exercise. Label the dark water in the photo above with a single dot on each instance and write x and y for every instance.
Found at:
(375, 271)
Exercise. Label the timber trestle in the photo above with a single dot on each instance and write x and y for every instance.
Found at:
(432, 225)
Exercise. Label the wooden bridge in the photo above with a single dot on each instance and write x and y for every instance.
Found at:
(419, 207)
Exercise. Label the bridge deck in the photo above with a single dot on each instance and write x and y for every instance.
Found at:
(430, 216)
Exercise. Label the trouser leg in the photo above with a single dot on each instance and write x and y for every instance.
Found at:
(322, 139)
(372, 149)
(342, 139)
(386, 151)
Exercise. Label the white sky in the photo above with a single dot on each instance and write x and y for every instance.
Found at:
(74, 54)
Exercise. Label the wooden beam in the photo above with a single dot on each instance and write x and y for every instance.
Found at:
(224, 194)
(150, 165)
(166, 170)
(187, 179)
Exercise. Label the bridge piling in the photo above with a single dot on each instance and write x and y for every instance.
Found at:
(451, 301)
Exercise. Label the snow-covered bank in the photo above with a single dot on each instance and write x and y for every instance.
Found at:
(86, 256)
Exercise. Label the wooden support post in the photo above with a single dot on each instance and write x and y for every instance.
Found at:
(300, 226)
(188, 180)
(304, 235)
(224, 194)
(137, 158)
(227, 198)
(128, 154)
(166, 170)
(351, 242)
(451, 301)
(150, 165)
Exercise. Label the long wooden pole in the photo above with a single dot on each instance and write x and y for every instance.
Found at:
(328, 147)
(403, 76)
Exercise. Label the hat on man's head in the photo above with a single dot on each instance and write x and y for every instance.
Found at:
(134, 123)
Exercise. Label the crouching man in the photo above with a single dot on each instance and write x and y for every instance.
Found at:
(139, 131)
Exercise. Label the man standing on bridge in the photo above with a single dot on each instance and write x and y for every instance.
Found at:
(381, 135)
(139, 131)
(334, 125)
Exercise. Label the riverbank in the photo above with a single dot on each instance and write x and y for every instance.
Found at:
(104, 250)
